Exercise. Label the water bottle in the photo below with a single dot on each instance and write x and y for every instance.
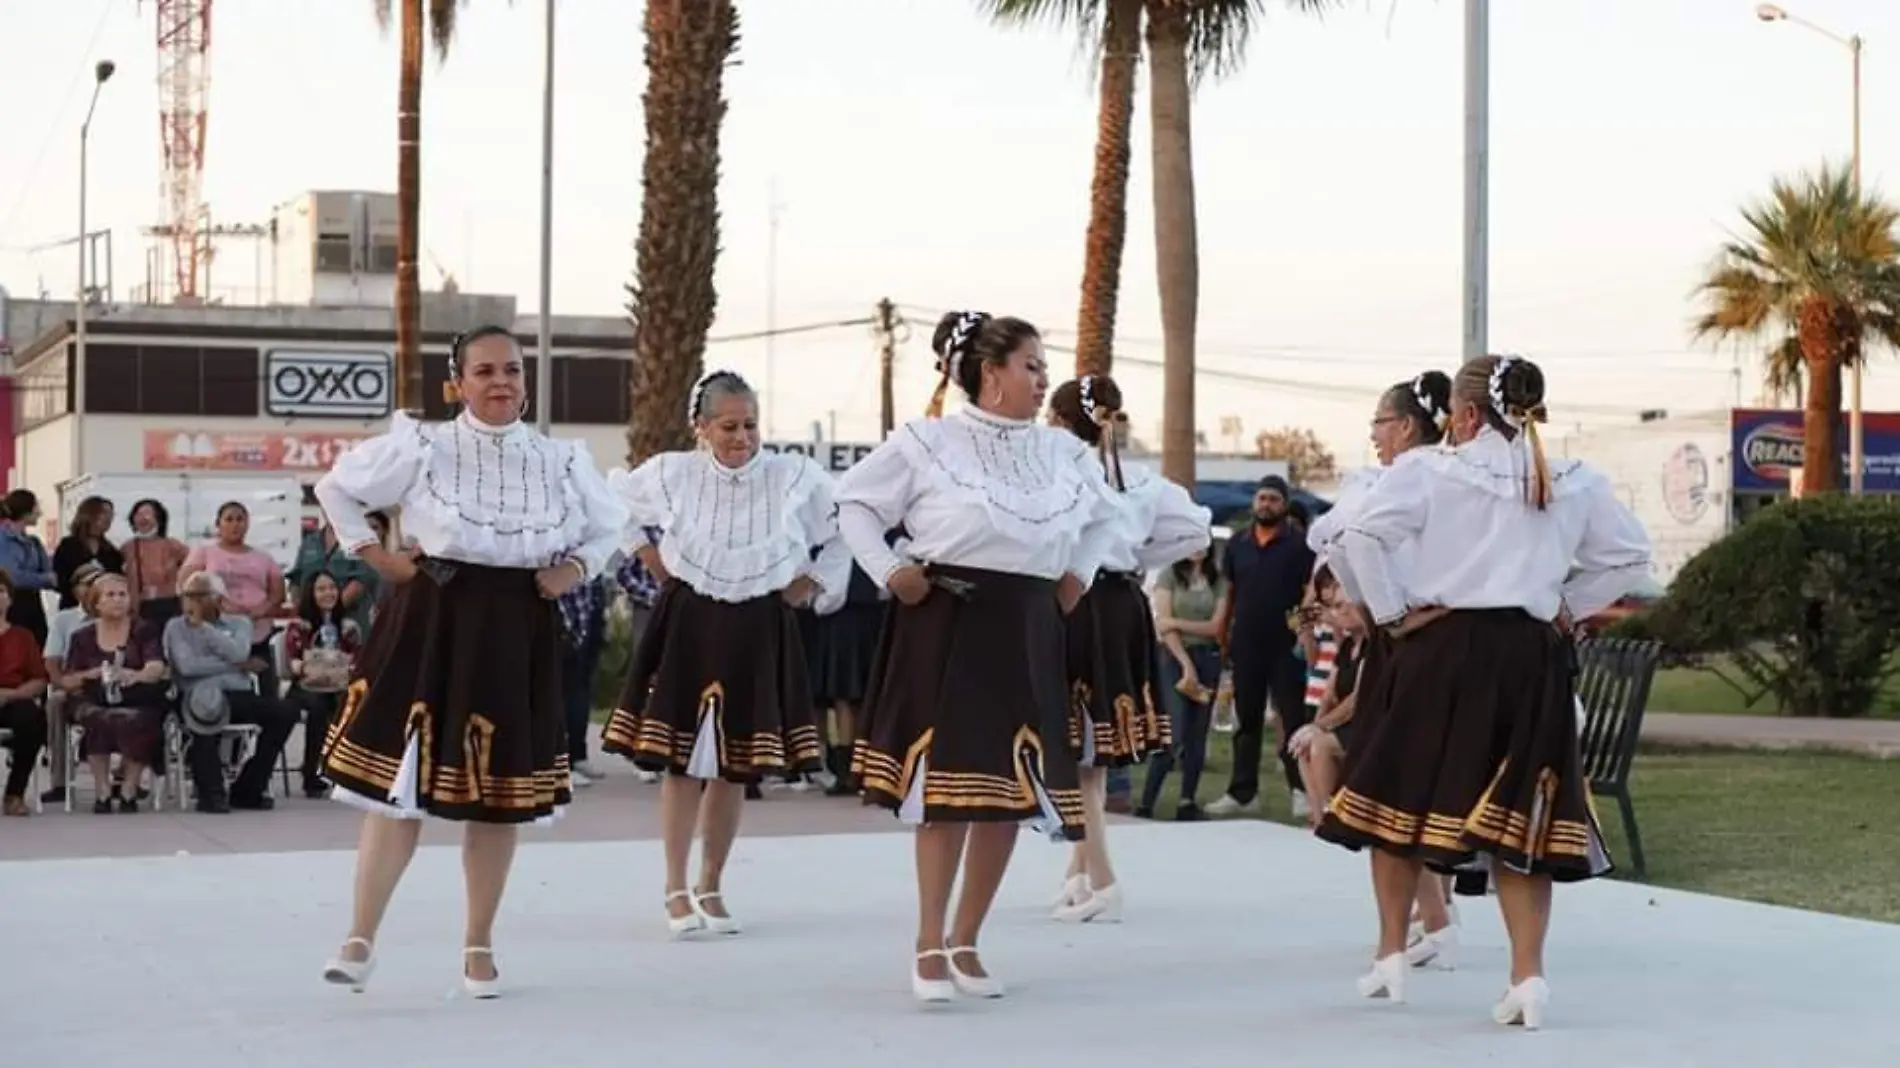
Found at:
(110, 677)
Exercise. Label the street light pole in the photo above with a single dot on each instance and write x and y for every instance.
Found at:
(101, 72)
(1856, 440)
(544, 336)
(1477, 281)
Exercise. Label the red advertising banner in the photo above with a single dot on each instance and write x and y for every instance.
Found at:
(204, 450)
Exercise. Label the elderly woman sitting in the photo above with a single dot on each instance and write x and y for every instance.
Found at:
(210, 654)
(113, 673)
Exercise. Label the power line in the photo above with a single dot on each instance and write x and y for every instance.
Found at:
(52, 129)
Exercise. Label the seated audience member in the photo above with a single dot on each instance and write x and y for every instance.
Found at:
(210, 653)
(319, 651)
(59, 632)
(114, 678)
(22, 682)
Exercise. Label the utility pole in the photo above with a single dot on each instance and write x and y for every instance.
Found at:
(773, 209)
(886, 366)
(1477, 281)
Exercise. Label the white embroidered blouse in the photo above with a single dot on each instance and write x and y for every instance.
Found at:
(500, 496)
(1157, 524)
(977, 490)
(1479, 544)
(735, 533)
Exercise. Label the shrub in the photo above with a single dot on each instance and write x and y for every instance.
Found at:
(1803, 600)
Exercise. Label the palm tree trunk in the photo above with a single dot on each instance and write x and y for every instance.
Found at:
(673, 301)
(409, 378)
(1177, 255)
(1108, 193)
(1821, 345)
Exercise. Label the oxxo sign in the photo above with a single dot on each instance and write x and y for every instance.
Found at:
(344, 385)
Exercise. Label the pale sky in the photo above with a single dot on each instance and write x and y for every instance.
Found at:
(920, 153)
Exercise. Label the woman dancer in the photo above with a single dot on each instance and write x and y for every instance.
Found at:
(454, 710)
(965, 730)
(718, 694)
(1111, 636)
(1410, 415)
(1473, 745)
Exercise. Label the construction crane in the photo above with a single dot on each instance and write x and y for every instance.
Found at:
(184, 82)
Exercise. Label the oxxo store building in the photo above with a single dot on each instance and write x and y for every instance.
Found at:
(270, 391)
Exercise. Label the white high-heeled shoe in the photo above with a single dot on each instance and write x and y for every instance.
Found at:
(974, 986)
(1101, 906)
(1438, 949)
(725, 925)
(681, 926)
(933, 991)
(1523, 1005)
(1386, 979)
(480, 989)
(1075, 889)
(352, 973)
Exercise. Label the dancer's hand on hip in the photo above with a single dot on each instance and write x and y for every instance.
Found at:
(1069, 591)
(908, 584)
(396, 567)
(553, 582)
(1416, 618)
(649, 557)
(801, 591)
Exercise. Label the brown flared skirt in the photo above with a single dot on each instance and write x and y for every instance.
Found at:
(465, 662)
(1111, 656)
(733, 671)
(1470, 750)
(966, 718)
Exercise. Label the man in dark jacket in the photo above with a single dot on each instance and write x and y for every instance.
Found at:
(1267, 568)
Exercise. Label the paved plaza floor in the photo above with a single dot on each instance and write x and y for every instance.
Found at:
(1241, 943)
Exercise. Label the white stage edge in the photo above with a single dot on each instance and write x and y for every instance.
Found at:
(1240, 947)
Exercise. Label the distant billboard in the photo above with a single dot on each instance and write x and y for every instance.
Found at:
(1767, 445)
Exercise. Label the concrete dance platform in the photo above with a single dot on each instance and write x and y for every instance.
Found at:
(1241, 945)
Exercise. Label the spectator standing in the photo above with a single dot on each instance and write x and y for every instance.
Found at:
(212, 655)
(85, 543)
(1267, 568)
(153, 559)
(1189, 601)
(253, 583)
(23, 556)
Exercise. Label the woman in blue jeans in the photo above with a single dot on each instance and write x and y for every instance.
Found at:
(1188, 601)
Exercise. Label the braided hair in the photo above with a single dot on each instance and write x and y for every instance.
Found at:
(964, 342)
(1091, 408)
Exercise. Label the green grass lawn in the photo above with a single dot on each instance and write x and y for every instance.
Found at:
(1811, 830)
(1701, 692)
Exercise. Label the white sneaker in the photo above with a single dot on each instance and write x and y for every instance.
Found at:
(648, 777)
(1301, 809)
(587, 768)
(1225, 805)
(579, 779)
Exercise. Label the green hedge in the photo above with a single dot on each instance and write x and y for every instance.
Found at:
(1803, 600)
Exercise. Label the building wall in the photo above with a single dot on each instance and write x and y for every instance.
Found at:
(127, 444)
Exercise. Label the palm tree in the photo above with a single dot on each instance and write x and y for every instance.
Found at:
(689, 44)
(441, 29)
(1817, 274)
(1112, 29)
(1188, 40)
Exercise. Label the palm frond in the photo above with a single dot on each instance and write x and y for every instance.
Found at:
(1218, 30)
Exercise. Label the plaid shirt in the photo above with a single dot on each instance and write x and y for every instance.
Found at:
(642, 588)
(583, 610)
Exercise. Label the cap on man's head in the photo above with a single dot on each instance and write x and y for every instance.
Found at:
(1276, 484)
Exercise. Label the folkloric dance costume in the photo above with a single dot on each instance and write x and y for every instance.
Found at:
(1112, 659)
(966, 718)
(719, 687)
(455, 710)
(1467, 744)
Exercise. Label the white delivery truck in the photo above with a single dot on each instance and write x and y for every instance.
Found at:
(192, 499)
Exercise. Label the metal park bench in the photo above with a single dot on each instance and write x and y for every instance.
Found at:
(1613, 686)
